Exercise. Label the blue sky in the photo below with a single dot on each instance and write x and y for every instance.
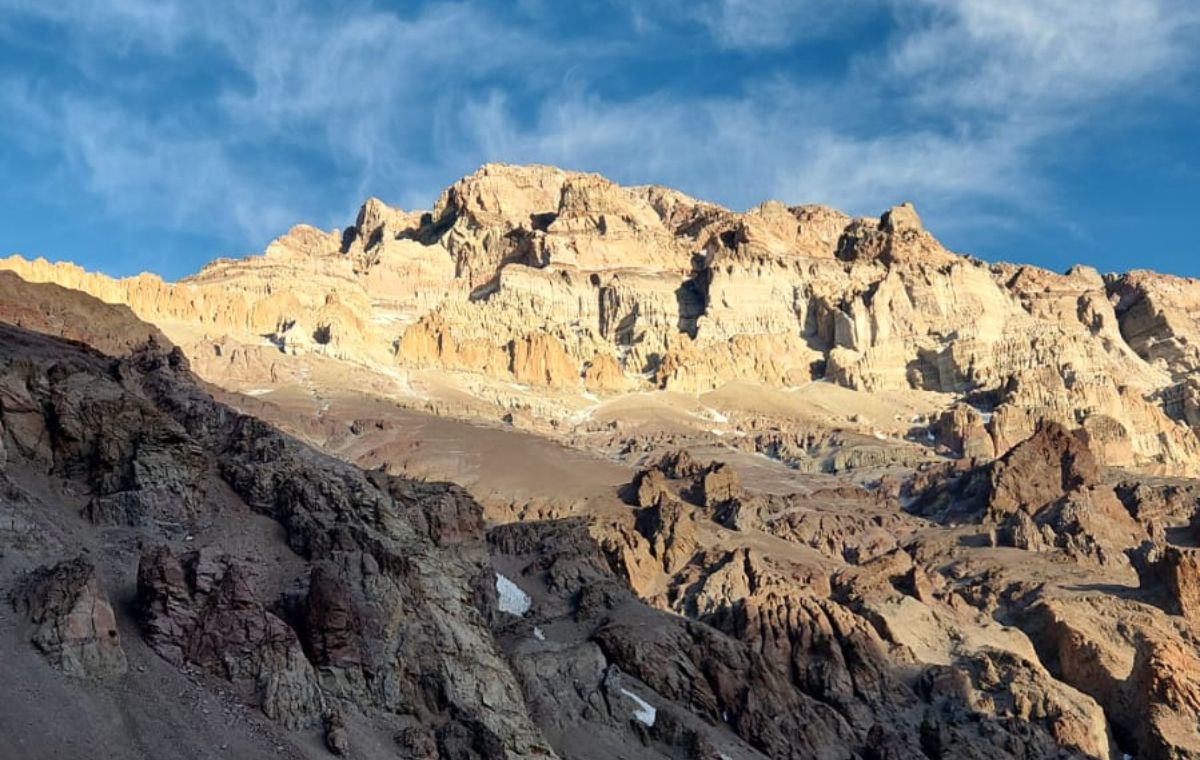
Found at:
(156, 136)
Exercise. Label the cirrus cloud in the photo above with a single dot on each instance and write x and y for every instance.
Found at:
(245, 118)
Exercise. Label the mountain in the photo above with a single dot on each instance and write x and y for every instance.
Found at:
(780, 483)
(588, 293)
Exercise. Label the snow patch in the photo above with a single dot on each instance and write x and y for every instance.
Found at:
(538, 634)
(512, 599)
(645, 714)
(258, 391)
(716, 416)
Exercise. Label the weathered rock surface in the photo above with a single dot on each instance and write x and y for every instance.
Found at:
(973, 538)
(530, 277)
(380, 579)
(75, 628)
(200, 609)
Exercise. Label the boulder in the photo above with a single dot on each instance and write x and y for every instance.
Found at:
(75, 628)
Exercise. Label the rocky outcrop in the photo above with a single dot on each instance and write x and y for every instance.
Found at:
(1163, 678)
(1172, 574)
(1047, 493)
(332, 622)
(788, 673)
(669, 525)
(201, 609)
(383, 560)
(1039, 471)
(1156, 313)
(962, 430)
(1004, 684)
(1143, 678)
(74, 626)
(1183, 581)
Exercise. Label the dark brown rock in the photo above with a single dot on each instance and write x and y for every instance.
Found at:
(200, 608)
(1041, 470)
(1181, 574)
(720, 485)
(332, 624)
(467, 737)
(670, 528)
(337, 738)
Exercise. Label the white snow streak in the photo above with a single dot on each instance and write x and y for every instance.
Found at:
(645, 714)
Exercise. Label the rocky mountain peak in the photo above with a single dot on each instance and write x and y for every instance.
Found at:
(536, 276)
(780, 483)
(902, 218)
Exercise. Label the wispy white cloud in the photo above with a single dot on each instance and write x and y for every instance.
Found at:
(354, 91)
(964, 105)
(1033, 57)
(754, 24)
(957, 104)
(769, 142)
(748, 25)
(119, 23)
(189, 181)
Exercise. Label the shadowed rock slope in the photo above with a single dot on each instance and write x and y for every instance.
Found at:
(186, 581)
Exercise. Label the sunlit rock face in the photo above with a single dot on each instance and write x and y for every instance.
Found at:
(532, 276)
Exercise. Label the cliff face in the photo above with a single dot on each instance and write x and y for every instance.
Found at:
(189, 580)
(799, 486)
(575, 286)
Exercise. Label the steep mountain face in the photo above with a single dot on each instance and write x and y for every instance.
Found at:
(359, 604)
(778, 484)
(162, 550)
(583, 291)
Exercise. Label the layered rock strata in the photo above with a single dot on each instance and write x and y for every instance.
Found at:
(572, 285)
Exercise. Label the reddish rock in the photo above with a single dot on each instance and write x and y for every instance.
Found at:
(332, 624)
(1181, 573)
(1040, 470)
(200, 608)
